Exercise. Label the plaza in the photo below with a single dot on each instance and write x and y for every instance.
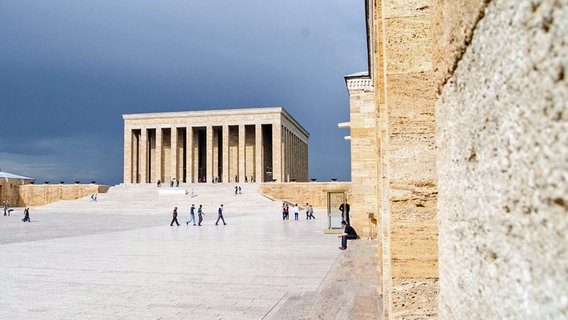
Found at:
(118, 258)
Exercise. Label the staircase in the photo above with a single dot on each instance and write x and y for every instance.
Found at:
(146, 199)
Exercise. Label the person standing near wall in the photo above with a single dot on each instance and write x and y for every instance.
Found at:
(175, 217)
(6, 205)
(307, 211)
(296, 211)
(344, 208)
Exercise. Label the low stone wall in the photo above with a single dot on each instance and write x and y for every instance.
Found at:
(302, 192)
(34, 195)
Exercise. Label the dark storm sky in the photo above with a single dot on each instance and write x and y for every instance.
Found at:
(69, 69)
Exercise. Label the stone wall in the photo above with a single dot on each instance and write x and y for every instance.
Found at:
(503, 162)
(401, 58)
(9, 190)
(34, 195)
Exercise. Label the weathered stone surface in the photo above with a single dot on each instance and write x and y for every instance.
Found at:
(452, 30)
(503, 163)
(412, 298)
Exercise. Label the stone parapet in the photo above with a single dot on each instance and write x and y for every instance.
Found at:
(34, 195)
(302, 192)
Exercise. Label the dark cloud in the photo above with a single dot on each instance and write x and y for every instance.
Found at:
(69, 70)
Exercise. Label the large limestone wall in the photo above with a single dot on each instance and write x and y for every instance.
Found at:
(406, 95)
(503, 162)
(34, 195)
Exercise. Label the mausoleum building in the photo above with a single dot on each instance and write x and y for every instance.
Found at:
(232, 145)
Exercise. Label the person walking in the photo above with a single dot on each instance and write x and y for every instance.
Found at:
(200, 214)
(6, 205)
(26, 215)
(296, 211)
(348, 233)
(311, 212)
(307, 211)
(220, 215)
(191, 215)
(174, 217)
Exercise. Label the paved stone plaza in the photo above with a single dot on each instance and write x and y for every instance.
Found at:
(94, 263)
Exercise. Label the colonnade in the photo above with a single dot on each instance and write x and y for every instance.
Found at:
(226, 152)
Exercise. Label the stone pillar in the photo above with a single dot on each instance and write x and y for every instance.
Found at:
(174, 153)
(209, 154)
(258, 176)
(277, 151)
(189, 155)
(158, 164)
(225, 176)
(288, 155)
(143, 166)
(128, 158)
(135, 157)
(242, 153)
(285, 154)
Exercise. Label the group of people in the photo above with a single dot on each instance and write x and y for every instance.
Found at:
(200, 215)
(8, 211)
(348, 231)
(296, 208)
(247, 179)
(173, 182)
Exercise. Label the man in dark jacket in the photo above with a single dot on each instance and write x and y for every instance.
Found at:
(348, 233)
(175, 217)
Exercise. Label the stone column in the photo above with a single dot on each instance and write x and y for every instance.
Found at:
(258, 176)
(225, 176)
(174, 153)
(143, 166)
(128, 155)
(242, 153)
(209, 154)
(286, 147)
(277, 151)
(293, 157)
(189, 155)
(158, 164)
(135, 158)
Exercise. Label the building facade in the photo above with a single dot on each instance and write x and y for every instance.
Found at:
(363, 134)
(233, 145)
